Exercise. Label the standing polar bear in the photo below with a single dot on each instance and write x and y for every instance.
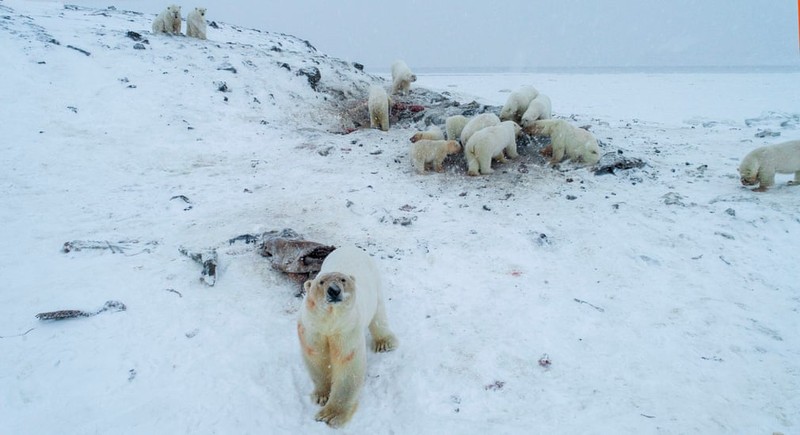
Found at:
(517, 103)
(344, 299)
(760, 165)
(540, 108)
(576, 144)
(168, 21)
(196, 23)
(488, 143)
(378, 106)
(432, 151)
(476, 124)
(401, 78)
(454, 125)
(432, 133)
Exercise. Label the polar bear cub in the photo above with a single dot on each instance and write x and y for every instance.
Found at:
(339, 304)
(454, 125)
(576, 144)
(488, 143)
(476, 124)
(378, 106)
(760, 165)
(401, 78)
(432, 133)
(540, 108)
(517, 103)
(196, 23)
(168, 21)
(432, 151)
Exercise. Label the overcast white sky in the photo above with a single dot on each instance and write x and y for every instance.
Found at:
(519, 34)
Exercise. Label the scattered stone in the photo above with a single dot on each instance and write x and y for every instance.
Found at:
(133, 35)
(730, 211)
(611, 162)
(358, 66)
(572, 197)
(227, 67)
(214, 25)
(139, 46)
(208, 260)
(313, 74)
(768, 133)
(79, 50)
(222, 87)
(674, 198)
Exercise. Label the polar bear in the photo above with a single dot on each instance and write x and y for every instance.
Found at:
(760, 165)
(168, 21)
(489, 143)
(540, 108)
(432, 151)
(401, 78)
(343, 300)
(517, 103)
(196, 23)
(432, 133)
(477, 123)
(577, 144)
(378, 105)
(454, 125)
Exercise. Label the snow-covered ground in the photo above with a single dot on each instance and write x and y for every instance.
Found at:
(666, 299)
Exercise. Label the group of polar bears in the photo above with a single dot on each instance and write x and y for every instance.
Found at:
(169, 21)
(525, 110)
(487, 136)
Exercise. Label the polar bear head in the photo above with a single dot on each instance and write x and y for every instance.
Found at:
(201, 11)
(748, 171)
(453, 147)
(174, 11)
(330, 293)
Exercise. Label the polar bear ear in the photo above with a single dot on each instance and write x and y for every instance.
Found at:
(352, 279)
(307, 286)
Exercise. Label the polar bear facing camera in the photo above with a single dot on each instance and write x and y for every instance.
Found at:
(401, 78)
(576, 144)
(540, 108)
(489, 143)
(760, 165)
(454, 125)
(168, 21)
(196, 23)
(432, 151)
(517, 103)
(339, 304)
(432, 133)
(476, 124)
(378, 106)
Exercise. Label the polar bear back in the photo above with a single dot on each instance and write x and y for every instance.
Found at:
(539, 108)
(454, 125)
(401, 77)
(353, 261)
(478, 123)
(783, 158)
(517, 103)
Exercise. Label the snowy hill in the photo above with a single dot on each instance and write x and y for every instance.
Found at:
(663, 299)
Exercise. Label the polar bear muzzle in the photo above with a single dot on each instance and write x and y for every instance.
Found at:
(334, 293)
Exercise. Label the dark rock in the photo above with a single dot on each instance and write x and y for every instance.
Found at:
(358, 66)
(138, 46)
(133, 35)
(214, 25)
(313, 74)
(286, 66)
(612, 162)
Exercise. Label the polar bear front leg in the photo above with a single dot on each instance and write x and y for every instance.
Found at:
(472, 164)
(796, 180)
(316, 359)
(766, 178)
(559, 148)
(348, 369)
(383, 340)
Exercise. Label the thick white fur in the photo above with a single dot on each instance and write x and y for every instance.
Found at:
(168, 21)
(488, 143)
(401, 77)
(540, 108)
(332, 332)
(432, 133)
(576, 144)
(378, 105)
(517, 103)
(760, 165)
(477, 123)
(196, 23)
(454, 125)
(432, 151)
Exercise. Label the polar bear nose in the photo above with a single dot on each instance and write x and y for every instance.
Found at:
(334, 293)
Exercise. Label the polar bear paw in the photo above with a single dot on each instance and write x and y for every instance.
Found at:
(384, 344)
(320, 397)
(334, 416)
